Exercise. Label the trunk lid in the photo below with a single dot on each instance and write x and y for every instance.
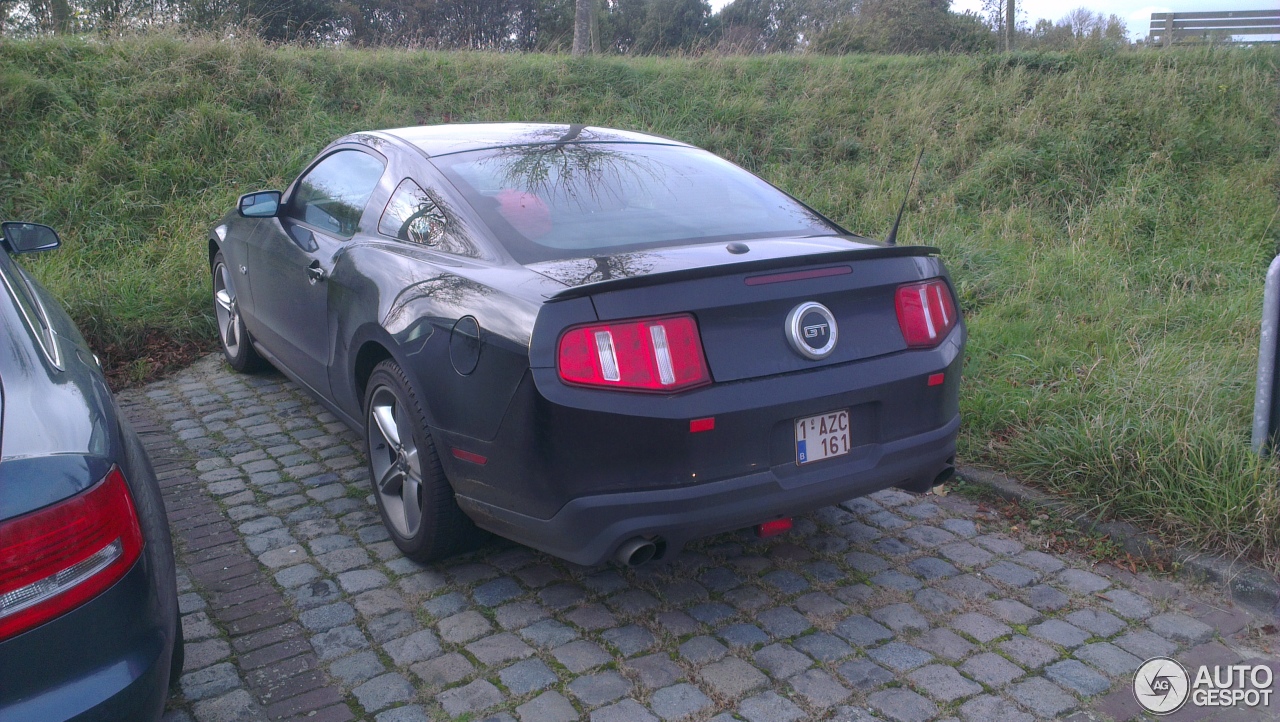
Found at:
(742, 300)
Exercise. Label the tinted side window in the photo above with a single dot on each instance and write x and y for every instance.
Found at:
(415, 216)
(332, 196)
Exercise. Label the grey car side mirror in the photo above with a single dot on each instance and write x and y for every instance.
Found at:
(263, 204)
(29, 237)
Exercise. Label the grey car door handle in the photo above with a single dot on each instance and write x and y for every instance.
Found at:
(315, 272)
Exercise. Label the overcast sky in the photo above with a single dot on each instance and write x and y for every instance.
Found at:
(1136, 12)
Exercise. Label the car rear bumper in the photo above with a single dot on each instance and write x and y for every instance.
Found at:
(106, 660)
(559, 443)
(589, 529)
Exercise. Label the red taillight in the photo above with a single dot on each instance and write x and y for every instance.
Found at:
(55, 559)
(651, 354)
(926, 312)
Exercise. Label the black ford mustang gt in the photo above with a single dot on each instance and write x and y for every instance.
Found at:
(594, 342)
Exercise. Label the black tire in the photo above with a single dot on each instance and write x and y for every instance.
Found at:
(152, 517)
(179, 657)
(233, 337)
(442, 529)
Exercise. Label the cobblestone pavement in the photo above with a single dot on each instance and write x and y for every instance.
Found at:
(895, 607)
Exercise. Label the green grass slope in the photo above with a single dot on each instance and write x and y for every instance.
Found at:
(1108, 218)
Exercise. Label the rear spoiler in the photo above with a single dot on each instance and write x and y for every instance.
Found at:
(725, 269)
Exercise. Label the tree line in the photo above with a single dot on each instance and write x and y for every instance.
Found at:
(615, 26)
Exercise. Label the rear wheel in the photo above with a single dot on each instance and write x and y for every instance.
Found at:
(414, 497)
(236, 344)
(179, 657)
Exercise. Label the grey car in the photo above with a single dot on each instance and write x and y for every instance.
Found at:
(88, 596)
(595, 342)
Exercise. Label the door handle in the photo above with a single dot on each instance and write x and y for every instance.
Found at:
(315, 273)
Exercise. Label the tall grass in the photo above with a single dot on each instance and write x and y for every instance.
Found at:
(1108, 218)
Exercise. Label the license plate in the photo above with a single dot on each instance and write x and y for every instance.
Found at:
(822, 437)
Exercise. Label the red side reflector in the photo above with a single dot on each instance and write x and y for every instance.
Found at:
(798, 275)
(469, 456)
(707, 424)
(937, 379)
(59, 557)
(773, 528)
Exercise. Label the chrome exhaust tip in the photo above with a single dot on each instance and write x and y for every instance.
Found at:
(635, 552)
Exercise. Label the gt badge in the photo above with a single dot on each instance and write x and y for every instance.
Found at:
(811, 329)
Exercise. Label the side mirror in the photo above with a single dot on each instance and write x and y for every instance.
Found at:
(29, 237)
(263, 204)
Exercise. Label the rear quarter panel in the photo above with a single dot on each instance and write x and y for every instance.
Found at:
(62, 431)
(409, 300)
(48, 411)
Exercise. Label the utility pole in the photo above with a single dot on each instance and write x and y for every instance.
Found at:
(1009, 13)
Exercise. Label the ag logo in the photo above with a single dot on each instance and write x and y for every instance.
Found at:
(1161, 685)
(811, 330)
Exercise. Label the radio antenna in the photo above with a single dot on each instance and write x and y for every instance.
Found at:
(892, 238)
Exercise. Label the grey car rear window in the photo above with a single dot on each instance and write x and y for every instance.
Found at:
(573, 200)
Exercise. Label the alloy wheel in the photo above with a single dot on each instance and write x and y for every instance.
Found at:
(226, 310)
(397, 470)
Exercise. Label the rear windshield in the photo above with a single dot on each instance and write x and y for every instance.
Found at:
(556, 201)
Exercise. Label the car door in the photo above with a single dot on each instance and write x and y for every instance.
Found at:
(292, 256)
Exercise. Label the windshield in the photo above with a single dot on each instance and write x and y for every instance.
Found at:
(571, 200)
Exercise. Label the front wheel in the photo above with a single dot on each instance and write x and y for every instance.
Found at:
(237, 347)
(414, 497)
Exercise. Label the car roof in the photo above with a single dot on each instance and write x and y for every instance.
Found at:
(436, 140)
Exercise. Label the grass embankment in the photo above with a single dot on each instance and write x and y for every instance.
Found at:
(1108, 218)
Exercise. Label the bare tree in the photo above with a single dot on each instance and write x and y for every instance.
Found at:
(1081, 21)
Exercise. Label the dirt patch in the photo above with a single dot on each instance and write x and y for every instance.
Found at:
(148, 357)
